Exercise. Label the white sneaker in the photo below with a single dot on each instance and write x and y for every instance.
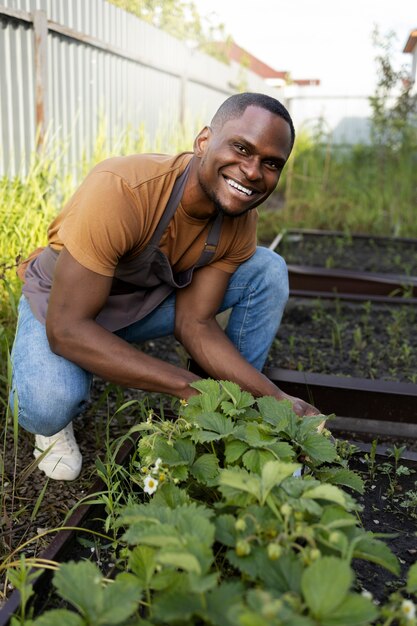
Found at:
(64, 460)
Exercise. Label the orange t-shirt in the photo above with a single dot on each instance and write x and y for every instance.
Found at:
(117, 208)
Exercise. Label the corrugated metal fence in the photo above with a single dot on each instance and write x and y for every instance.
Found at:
(66, 64)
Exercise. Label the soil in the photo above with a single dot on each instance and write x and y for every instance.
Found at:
(366, 340)
(373, 254)
(383, 513)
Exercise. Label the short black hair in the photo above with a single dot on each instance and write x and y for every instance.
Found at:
(236, 105)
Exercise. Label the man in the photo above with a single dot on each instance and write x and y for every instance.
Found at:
(152, 245)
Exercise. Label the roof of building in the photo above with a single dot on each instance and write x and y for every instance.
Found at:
(242, 56)
(247, 59)
(411, 42)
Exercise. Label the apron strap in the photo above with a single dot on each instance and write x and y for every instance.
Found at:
(212, 241)
(171, 206)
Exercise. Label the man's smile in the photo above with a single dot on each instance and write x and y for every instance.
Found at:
(238, 186)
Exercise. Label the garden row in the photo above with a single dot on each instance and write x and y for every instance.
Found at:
(210, 522)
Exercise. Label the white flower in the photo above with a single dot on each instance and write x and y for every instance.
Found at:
(151, 485)
(408, 609)
(157, 463)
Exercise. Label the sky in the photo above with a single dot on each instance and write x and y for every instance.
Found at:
(326, 39)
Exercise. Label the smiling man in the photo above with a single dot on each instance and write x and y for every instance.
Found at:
(148, 246)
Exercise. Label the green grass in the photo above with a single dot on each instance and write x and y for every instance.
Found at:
(359, 189)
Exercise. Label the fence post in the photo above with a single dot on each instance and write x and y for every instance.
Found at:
(40, 29)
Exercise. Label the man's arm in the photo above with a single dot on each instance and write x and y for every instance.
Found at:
(198, 331)
(77, 296)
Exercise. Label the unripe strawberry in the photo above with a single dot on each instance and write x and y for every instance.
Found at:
(274, 551)
(286, 509)
(240, 525)
(315, 554)
(243, 548)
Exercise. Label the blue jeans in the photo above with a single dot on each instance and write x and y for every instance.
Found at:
(51, 390)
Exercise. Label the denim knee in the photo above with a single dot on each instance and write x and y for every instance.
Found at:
(271, 271)
(47, 414)
(277, 276)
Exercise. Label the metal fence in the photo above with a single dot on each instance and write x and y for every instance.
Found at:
(67, 64)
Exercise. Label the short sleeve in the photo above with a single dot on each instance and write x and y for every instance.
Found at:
(102, 222)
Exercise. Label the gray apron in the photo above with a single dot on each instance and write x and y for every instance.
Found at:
(139, 284)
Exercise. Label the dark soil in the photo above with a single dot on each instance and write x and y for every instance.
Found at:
(349, 252)
(337, 337)
(383, 513)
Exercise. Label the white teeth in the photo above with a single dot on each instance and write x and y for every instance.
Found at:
(232, 183)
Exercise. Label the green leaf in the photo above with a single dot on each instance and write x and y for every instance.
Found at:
(155, 535)
(309, 424)
(355, 610)
(318, 448)
(254, 460)
(246, 564)
(371, 549)
(170, 495)
(142, 562)
(167, 453)
(281, 450)
(281, 575)
(218, 424)
(59, 616)
(205, 468)
(120, 599)
(234, 450)
(224, 595)
(186, 450)
(232, 390)
(202, 583)
(179, 558)
(325, 585)
(256, 437)
(412, 579)
(176, 606)
(278, 413)
(326, 492)
(81, 585)
(164, 579)
(344, 477)
(336, 517)
(210, 394)
(241, 480)
(239, 400)
(273, 473)
(225, 530)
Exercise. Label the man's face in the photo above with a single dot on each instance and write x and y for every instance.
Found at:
(240, 163)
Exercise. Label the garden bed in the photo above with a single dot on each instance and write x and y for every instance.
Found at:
(326, 249)
(368, 340)
(245, 532)
(382, 512)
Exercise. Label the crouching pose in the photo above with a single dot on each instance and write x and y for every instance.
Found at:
(148, 246)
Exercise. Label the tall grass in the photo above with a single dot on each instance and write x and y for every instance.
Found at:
(362, 188)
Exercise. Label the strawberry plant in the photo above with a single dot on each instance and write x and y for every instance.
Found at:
(221, 528)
